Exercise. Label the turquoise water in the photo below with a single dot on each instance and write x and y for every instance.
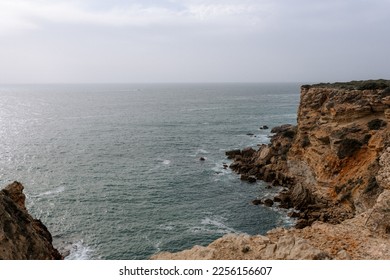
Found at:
(114, 171)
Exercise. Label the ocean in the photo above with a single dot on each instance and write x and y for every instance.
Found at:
(114, 170)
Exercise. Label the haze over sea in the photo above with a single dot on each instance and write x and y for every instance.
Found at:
(114, 172)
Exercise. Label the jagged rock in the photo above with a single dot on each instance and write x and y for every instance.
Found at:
(233, 246)
(257, 202)
(232, 153)
(247, 152)
(202, 159)
(15, 192)
(379, 217)
(22, 236)
(294, 214)
(268, 202)
(282, 128)
(252, 179)
(300, 196)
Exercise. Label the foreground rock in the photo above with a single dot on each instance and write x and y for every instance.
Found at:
(335, 167)
(21, 236)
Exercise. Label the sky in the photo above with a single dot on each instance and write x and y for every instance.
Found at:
(150, 41)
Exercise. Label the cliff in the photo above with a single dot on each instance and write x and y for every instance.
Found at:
(21, 236)
(335, 168)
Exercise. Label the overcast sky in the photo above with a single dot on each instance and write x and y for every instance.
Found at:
(75, 41)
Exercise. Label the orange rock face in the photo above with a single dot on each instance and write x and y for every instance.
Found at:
(336, 164)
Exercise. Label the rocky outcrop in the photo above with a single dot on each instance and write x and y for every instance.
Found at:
(245, 247)
(335, 167)
(21, 236)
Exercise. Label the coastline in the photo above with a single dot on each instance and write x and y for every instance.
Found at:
(335, 164)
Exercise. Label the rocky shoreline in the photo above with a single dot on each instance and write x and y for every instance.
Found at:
(335, 168)
(21, 236)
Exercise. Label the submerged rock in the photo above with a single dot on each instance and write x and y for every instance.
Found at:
(268, 202)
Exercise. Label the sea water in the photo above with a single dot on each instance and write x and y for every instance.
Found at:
(114, 171)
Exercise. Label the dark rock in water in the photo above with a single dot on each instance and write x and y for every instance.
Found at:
(275, 183)
(277, 199)
(268, 202)
(294, 214)
(235, 165)
(202, 159)
(264, 127)
(232, 154)
(251, 179)
(250, 134)
(257, 202)
(225, 166)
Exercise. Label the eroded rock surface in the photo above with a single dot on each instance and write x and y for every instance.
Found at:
(21, 236)
(335, 167)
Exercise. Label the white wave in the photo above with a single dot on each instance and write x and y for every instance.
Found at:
(284, 220)
(201, 151)
(166, 162)
(78, 251)
(213, 225)
(220, 170)
(157, 246)
(51, 192)
(264, 139)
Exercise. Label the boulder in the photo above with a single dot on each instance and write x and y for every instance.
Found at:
(252, 179)
(257, 202)
(268, 202)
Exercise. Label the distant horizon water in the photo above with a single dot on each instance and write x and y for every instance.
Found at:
(159, 83)
(114, 170)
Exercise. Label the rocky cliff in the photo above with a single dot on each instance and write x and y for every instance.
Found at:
(335, 170)
(21, 236)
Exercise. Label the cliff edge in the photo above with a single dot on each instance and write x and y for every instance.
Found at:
(21, 236)
(335, 170)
